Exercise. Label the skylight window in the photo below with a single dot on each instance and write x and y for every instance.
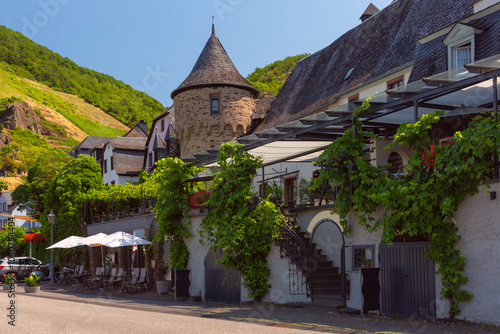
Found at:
(348, 75)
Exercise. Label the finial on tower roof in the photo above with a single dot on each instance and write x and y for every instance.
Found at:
(213, 25)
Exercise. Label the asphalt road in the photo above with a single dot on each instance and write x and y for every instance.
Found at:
(45, 315)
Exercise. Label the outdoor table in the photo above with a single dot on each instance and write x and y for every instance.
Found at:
(65, 277)
(125, 283)
(86, 281)
(101, 281)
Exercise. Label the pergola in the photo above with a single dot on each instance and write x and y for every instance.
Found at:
(459, 92)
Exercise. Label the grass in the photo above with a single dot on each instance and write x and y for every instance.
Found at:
(89, 127)
(89, 119)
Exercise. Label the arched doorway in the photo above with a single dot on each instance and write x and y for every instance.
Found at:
(328, 279)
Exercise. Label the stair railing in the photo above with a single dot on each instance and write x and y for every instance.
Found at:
(299, 255)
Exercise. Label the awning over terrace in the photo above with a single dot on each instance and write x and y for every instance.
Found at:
(466, 90)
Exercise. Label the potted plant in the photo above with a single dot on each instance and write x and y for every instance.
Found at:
(32, 283)
(162, 285)
(9, 281)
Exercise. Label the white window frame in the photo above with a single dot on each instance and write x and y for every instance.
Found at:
(459, 37)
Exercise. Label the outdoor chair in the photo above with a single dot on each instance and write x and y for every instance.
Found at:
(78, 275)
(126, 283)
(118, 278)
(97, 277)
(142, 281)
(112, 277)
(135, 276)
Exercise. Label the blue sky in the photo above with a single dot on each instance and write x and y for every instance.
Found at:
(152, 45)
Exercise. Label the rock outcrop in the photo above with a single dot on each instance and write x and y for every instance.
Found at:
(20, 114)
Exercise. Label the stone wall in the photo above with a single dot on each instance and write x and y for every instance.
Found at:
(198, 130)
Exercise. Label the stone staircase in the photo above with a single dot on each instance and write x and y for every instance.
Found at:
(322, 277)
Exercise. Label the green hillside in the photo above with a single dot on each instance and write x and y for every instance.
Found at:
(32, 61)
(271, 78)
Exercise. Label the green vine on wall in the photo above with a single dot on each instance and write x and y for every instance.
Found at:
(244, 233)
(172, 206)
(423, 200)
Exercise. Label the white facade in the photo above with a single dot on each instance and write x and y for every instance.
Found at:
(109, 171)
(158, 129)
(5, 209)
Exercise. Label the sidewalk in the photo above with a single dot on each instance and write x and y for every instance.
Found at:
(307, 318)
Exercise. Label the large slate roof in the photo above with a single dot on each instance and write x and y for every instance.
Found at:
(87, 144)
(7, 195)
(214, 68)
(128, 162)
(129, 143)
(383, 44)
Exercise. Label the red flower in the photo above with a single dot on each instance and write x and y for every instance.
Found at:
(199, 198)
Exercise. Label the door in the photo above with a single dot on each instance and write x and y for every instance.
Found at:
(221, 285)
(407, 280)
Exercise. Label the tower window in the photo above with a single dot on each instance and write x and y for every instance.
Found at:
(215, 105)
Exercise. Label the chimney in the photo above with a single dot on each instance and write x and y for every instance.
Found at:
(369, 12)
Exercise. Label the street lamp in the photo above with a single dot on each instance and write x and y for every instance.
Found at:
(52, 218)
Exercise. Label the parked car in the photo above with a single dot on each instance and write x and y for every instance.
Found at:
(21, 266)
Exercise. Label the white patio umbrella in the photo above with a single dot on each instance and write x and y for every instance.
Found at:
(96, 240)
(69, 242)
(121, 239)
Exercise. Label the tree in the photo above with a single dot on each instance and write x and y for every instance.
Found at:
(4, 185)
(29, 196)
(64, 196)
(6, 241)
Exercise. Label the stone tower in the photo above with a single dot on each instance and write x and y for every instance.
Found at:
(214, 103)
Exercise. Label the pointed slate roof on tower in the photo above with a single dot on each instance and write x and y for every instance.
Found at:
(369, 12)
(214, 68)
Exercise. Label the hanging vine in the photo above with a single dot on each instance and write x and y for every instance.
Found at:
(423, 200)
(172, 206)
(243, 232)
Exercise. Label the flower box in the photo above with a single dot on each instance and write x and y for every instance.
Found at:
(164, 286)
(32, 289)
(198, 198)
(8, 287)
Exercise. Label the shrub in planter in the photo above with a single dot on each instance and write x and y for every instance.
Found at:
(9, 281)
(32, 283)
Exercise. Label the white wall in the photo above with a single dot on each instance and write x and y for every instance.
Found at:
(478, 221)
(279, 277)
(197, 253)
(111, 174)
(154, 132)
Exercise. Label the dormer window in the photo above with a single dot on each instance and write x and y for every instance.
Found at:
(460, 41)
(462, 55)
(214, 105)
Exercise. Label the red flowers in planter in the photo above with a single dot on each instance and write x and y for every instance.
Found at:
(35, 237)
(198, 198)
(428, 155)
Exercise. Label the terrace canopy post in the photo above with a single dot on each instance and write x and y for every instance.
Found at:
(495, 94)
(495, 115)
(415, 110)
